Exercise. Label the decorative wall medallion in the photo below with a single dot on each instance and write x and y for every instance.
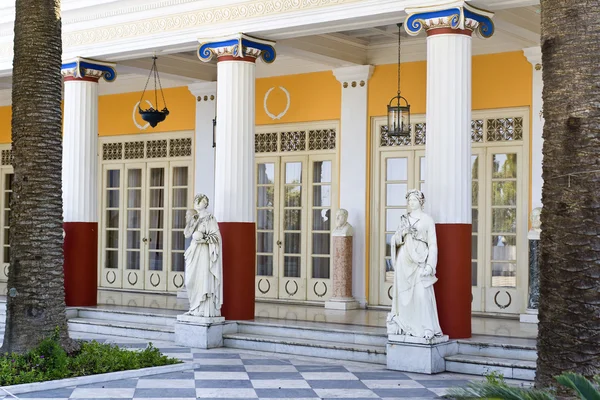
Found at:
(129, 278)
(502, 306)
(324, 291)
(180, 284)
(287, 290)
(113, 277)
(135, 112)
(268, 286)
(157, 280)
(390, 292)
(287, 105)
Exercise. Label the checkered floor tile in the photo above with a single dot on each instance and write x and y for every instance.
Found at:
(234, 374)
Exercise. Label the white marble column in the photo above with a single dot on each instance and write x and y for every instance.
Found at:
(204, 156)
(234, 204)
(80, 176)
(353, 158)
(534, 56)
(449, 27)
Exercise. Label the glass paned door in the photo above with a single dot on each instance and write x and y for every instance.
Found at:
(111, 264)
(397, 177)
(321, 221)
(181, 197)
(477, 228)
(505, 247)
(155, 238)
(133, 274)
(268, 240)
(292, 262)
(7, 185)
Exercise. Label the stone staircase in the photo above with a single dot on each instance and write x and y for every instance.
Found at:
(481, 355)
(338, 342)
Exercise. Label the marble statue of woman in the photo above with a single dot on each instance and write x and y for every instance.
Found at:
(203, 262)
(414, 256)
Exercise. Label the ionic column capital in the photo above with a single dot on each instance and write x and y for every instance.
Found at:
(84, 69)
(238, 47)
(457, 17)
(355, 76)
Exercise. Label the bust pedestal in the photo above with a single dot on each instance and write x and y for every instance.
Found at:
(342, 275)
(199, 332)
(414, 354)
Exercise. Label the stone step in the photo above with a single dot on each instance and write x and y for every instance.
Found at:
(350, 334)
(156, 317)
(523, 349)
(306, 347)
(483, 365)
(127, 329)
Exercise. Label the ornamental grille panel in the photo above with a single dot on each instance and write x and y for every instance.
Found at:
(392, 141)
(504, 129)
(321, 139)
(420, 133)
(112, 151)
(265, 142)
(134, 150)
(180, 147)
(7, 157)
(477, 130)
(293, 141)
(156, 149)
(144, 149)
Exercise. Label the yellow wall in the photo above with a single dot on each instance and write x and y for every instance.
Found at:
(313, 97)
(115, 112)
(5, 124)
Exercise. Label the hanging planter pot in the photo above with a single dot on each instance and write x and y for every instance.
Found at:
(152, 115)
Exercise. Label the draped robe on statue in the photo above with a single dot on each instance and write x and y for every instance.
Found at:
(203, 267)
(414, 310)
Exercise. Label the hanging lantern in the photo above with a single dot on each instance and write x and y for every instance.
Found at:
(152, 115)
(398, 110)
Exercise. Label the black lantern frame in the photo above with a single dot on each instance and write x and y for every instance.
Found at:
(151, 115)
(398, 109)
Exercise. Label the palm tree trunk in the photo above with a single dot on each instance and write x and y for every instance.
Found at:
(36, 297)
(569, 313)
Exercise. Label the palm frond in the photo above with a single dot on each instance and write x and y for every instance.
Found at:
(486, 390)
(583, 387)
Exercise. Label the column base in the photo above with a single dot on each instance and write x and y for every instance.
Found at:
(411, 354)
(199, 332)
(530, 316)
(342, 303)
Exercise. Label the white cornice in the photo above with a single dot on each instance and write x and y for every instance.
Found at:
(534, 55)
(354, 73)
(203, 88)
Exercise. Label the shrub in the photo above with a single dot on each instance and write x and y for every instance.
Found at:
(50, 361)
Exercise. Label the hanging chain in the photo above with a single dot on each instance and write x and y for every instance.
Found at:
(154, 72)
(399, 52)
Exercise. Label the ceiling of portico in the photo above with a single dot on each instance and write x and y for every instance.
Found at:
(322, 47)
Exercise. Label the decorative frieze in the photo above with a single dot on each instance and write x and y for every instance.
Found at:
(140, 149)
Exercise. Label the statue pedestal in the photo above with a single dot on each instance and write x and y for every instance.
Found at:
(341, 298)
(413, 354)
(199, 332)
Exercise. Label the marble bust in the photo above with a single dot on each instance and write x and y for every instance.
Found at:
(536, 223)
(342, 227)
